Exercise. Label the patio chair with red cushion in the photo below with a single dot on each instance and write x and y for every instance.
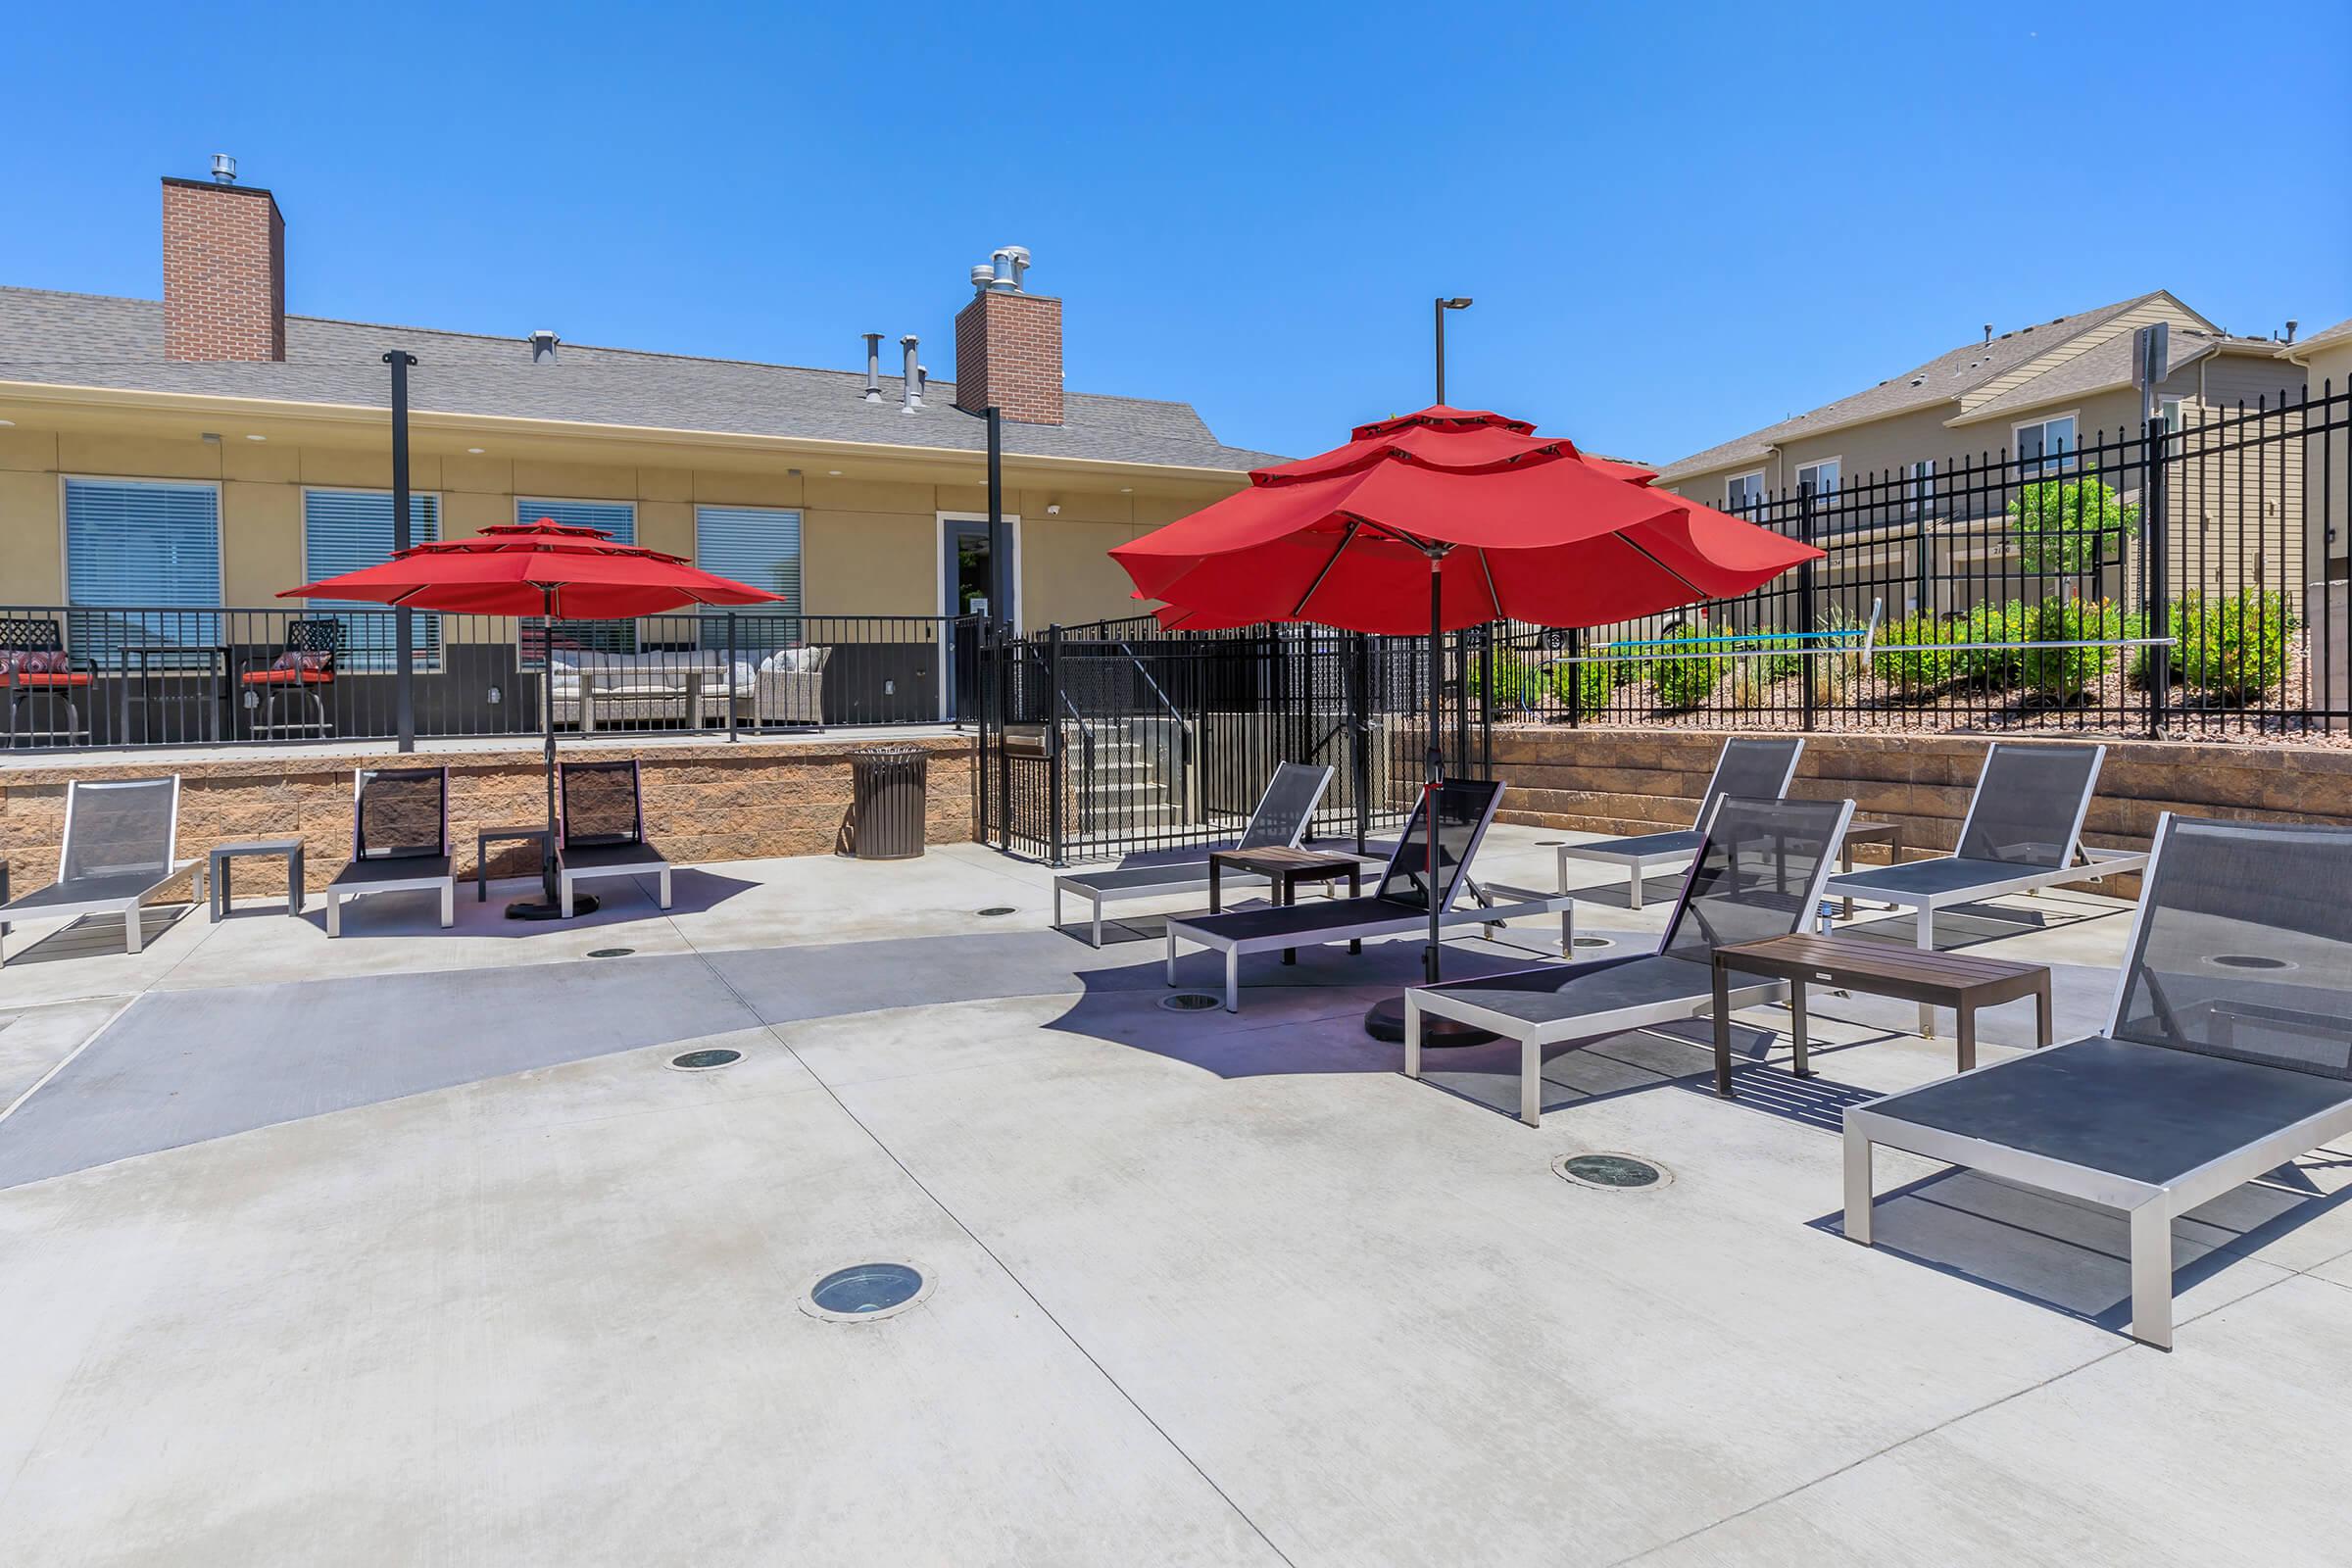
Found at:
(305, 670)
(35, 664)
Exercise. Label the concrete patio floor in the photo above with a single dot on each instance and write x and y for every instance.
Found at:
(410, 1247)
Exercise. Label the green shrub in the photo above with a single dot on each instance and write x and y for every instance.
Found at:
(2065, 673)
(1684, 680)
(1774, 656)
(1994, 667)
(2064, 524)
(2233, 649)
(1910, 654)
(1584, 686)
(1632, 667)
(1504, 680)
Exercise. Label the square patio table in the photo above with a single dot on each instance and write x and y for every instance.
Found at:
(1285, 868)
(488, 836)
(217, 867)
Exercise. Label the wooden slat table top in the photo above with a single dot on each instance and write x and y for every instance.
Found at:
(1862, 830)
(1858, 960)
(1282, 858)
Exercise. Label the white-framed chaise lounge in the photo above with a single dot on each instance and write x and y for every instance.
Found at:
(1397, 907)
(2228, 1052)
(1754, 767)
(122, 840)
(399, 840)
(1758, 873)
(1282, 816)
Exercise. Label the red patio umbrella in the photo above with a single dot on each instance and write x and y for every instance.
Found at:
(541, 569)
(1445, 519)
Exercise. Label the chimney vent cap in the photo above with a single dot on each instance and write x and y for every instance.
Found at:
(224, 169)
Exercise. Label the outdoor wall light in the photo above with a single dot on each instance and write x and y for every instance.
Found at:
(8, 424)
(835, 472)
(495, 696)
(257, 438)
(473, 451)
(1053, 508)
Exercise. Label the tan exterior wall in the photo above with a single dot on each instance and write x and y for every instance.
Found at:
(2328, 460)
(703, 803)
(870, 542)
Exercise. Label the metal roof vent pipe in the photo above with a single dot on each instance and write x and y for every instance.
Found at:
(874, 366)
(1020, 263)
(911, 382)
(983, 278)
(1988, 331)
(224, 169)
(2291, 325)
(543, 347)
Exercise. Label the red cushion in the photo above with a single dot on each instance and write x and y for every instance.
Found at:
(52, 677)
(286, 675)
(33, 660)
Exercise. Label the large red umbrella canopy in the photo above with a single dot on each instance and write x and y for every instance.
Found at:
(1524, 528)
(536, 568)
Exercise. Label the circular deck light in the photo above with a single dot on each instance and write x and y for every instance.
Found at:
(864, 1292)
(2248, 961)
(1189, 1001)
(706, 1060)
(1617, 1173)
(610, 953)
(995, 909)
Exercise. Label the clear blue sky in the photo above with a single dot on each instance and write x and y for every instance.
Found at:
(1679, 224)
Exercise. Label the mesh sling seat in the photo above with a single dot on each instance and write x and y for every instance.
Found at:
(1757, 874)
(1398, 906)
(399, 840)
(603, 827)
(122, 836)
(305, 672)
(1753, 768)
(2229, 1053)
(1281, 814)
(2023, 831)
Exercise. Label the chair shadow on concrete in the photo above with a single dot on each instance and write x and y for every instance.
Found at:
(2073, 1258)
(96, 935)
(416, 915)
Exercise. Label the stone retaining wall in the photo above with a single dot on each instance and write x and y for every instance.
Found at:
(703, 802)
(1640, 781)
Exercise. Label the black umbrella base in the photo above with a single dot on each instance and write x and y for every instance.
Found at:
(547, 909)
(1386, 1022)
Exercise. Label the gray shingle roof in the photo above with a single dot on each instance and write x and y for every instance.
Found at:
(1939, 380)
(97, 340)
(2329, 337)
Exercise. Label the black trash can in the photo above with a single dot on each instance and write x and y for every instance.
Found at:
(886, 803)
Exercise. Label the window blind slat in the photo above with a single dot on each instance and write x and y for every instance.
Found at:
(759, 546)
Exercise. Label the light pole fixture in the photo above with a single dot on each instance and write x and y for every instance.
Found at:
(1460, 302)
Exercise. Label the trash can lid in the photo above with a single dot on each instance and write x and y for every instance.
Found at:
(881, 752)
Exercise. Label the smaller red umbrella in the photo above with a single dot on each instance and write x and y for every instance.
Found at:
(542, 569)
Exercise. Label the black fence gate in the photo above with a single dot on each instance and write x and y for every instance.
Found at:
(1116, 738)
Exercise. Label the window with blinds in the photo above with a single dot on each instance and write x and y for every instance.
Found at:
(615, 518)
(759, 546)
(142, 569)
(347, 530)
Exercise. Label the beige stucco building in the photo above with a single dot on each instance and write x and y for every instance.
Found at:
(215, 417)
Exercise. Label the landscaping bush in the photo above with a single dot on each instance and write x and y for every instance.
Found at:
(1684, 680)
(1584, 686)
(1505, 681)
(1996, 668)
(2064, 524)
(1634, 669)
(2233, 649)
(1776, 655)
(1911, 655)
(2063, 674)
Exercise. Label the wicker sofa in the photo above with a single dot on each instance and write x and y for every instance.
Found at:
(657, 688)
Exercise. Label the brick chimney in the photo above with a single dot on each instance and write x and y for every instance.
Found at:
(1008, 345)
(225, 270)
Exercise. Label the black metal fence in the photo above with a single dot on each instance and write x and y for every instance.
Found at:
(2150, 582)
(134, 676)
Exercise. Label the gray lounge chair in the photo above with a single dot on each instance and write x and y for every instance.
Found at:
(1282, 816)
(399, 840)
(1753, 768)
(2229, 1053)
(603, 828)
(2023, 832)
(1398, 906)
(1757, 874)
(122, 836)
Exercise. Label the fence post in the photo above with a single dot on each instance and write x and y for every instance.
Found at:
(2154, 527)
(734, 724)
(1054, 759)
(1576, 674)
(404, 619)
(1359, 733)
(1804, 592)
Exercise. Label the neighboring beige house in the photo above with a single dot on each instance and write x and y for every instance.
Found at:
(211, 450)
(2032, 393)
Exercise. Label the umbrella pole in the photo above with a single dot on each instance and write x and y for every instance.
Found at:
(549, 905)
(1385, 1020)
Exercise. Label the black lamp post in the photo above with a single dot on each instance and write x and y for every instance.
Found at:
(1438, 308)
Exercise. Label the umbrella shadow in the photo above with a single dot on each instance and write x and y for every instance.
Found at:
(410, 914)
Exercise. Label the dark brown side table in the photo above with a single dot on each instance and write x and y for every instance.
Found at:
(504, 835)
(1867, 830)
(1954, 980)
(1284, 870)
